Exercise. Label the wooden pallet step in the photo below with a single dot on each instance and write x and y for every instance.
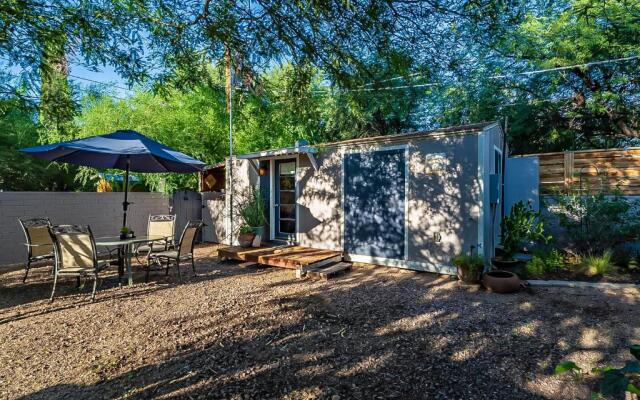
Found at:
(330, 271)
(248, 264)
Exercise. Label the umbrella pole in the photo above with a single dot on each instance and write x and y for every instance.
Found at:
(125, 203)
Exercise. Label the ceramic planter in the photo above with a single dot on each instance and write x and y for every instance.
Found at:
(502, 263)
(258, 230)
(500, 281)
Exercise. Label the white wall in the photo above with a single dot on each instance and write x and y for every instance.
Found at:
(101, 211)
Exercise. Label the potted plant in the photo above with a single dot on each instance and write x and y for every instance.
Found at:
(252, 212)
(520, 226)
(246, 236)
(126, 233)
(469, 267)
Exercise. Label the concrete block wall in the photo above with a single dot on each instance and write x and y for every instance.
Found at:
(101, 211)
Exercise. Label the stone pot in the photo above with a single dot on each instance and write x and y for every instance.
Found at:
(502, 263)
(246, 239)
(500, 281)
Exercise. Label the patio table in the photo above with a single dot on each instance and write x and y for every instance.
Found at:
(126, 249)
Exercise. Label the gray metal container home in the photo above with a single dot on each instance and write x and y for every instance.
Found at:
(410, 200)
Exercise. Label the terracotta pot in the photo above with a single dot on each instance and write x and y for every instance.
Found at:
(246, 239)
(500, 281)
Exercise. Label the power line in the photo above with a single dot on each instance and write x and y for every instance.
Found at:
(101, 83)
(498, 76)
(86, 79)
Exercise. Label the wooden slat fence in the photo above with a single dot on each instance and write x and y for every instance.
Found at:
(589, 171)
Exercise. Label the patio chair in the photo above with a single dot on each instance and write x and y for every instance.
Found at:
(158, 225)
(39, 244)
(75, 254)
(184, 250)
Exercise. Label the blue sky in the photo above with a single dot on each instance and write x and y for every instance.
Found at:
(82, 77)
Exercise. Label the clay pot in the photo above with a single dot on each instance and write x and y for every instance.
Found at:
(246, 239)
(500, 281)
(502, 263)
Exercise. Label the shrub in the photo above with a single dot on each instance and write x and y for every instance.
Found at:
(614, 382)
(252, 211)
(470, 266)
(244, 228)
(522, 224)
(592, 265)
(473, 262)
(544, 262)
(598, 222)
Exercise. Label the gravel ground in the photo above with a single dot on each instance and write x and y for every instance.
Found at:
(244, 333)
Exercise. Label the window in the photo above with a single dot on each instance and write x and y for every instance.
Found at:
(497, 161)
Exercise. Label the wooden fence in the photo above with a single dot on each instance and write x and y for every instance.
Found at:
(590, 171)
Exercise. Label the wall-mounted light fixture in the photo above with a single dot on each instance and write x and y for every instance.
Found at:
(263, 171)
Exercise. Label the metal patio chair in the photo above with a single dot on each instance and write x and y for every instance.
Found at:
(158, 225)
(182, 252)
(75, 254)
(38, 241)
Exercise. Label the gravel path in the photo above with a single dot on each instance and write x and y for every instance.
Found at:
(244, 333)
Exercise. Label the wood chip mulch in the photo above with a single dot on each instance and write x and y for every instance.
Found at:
(260, 333)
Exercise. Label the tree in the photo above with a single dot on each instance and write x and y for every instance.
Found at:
(18, 171)
(586, 106)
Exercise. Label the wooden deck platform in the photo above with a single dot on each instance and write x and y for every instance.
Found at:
(294, 257)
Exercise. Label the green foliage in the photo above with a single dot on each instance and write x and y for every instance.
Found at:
(473, 263)
(19, 171)
(544, 262)
(252, 211)
(613, 381)
(593, 265)
(598, 222)
(522, 224)
(244, 229)
(566, 367)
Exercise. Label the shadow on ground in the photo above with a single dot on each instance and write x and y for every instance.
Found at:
(375, 333)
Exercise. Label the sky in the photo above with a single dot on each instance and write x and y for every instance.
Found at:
(105, 77)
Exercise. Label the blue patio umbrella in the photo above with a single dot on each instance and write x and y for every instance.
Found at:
(124, 149)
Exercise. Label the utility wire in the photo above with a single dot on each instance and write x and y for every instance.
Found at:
(498, 76)
(85, 79)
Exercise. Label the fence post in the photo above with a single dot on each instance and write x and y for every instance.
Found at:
(568, 170)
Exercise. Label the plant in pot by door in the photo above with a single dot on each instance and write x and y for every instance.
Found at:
(252, 212)
(469, 267)
(246, 236)
(520, 226)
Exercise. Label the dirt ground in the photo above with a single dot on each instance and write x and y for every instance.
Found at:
(256, 333)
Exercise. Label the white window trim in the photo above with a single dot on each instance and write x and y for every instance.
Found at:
(272, 195)
(496, 148)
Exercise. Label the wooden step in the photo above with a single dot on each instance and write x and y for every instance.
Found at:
(330, 271)
(248, 264)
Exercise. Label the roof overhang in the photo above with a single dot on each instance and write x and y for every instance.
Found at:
(278, 152)
(286, 151)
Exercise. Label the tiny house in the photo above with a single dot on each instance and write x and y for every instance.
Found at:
(410, 200)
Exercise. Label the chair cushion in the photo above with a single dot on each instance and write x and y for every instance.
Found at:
(80, 270)
(167, 254)
(156, 248)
